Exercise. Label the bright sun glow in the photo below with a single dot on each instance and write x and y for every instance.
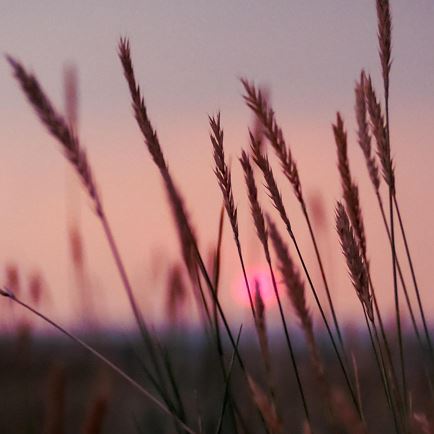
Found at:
(255, 274)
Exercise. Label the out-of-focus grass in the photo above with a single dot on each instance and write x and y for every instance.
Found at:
(32, 373)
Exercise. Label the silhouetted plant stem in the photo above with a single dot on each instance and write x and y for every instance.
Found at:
(126, 283)
(226, 393)
(172, 379)
(216, 278)
(59, 128)
(289, 345)
(428, 369)
(398, 314)
(274, 194)
(401, 276)
(246, 280)
(324, 318)
(385, 364)
(102, 358)
(391, 186)
(256, 101)
(324, 279)
(413, 276)
(224, 178)
(384, 374)
(202, 302)
(219, 309)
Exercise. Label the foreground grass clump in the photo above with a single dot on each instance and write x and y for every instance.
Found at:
(266, 386)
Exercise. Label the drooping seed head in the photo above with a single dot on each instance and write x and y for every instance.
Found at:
(259, 105)
(354, 258)
(261, 160)
(255, 208)
(379, 131)
(364, 138)
(385, 40)
(292, 278)
(58, 127)
(184, 227)
(349, 188)
(223, 172)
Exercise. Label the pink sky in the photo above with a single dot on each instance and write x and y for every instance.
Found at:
(188, 57)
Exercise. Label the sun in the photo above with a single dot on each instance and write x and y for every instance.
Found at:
(257, 274)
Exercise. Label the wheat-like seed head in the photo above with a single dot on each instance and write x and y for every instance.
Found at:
(385, 40)
(58, 127)
(364, 138)
(223, 173)
(349, 188)
(185, 230)
(139, 107)
(255, 208)
(257, 127)
(379, 131)
(261, 160)
(354, 258)
(258, 103)
(291, 277)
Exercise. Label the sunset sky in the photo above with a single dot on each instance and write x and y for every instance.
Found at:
(188, 57)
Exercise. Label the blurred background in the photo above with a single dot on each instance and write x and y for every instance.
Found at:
(188, 58)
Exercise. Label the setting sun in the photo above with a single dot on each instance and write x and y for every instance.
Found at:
(257, 275)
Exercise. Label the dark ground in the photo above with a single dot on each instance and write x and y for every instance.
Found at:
(49, 385)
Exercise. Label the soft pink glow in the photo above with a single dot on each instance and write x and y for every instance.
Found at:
(256, 275)
(184, 80)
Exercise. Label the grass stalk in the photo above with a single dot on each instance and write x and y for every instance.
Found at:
(262, 162)
(6, 293)
(191, 253)
(324, 279)
(75, 153)
(289, 343)
(352, 231)
(259, 221)
(413, 276)
(224, 178)
(401, 276)
(397, 312)
(259, 105)
(226, 393)
(385, 49)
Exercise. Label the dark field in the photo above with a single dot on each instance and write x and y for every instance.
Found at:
(48, 385)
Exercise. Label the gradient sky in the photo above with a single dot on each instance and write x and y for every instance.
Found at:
(188, 57)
